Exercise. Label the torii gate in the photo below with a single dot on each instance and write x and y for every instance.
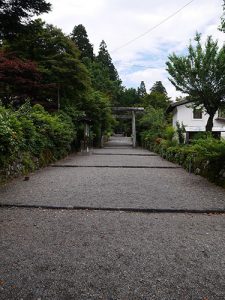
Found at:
(133, 110)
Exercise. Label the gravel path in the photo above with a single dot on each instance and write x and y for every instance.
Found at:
(112, 187)
(131, 179)
(99, 159)
(88, 254)
(69, 255)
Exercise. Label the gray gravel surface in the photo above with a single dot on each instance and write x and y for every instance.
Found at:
(70, 254)
(135, 160)
(110, 255)
(112, 187)
(119, 141)
(123, 150)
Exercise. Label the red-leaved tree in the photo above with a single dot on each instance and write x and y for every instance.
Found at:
(19, 79)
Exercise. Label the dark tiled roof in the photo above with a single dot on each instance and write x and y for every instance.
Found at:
(175, 104)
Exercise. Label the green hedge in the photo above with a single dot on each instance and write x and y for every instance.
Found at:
(30, 135)
(205, 157)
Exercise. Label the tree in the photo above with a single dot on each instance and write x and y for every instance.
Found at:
(152, 124)
(142, 90)
(201, 75)
(101, 81)
(129, 97)
(105, 60)
(19, 79)
(156, 100)
(159, 88)
(15, 14)
(58, 60)
(222, 27)
(99, 110)
(80, 38)
(104, 75)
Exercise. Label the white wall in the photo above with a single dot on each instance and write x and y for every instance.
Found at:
(184, 113)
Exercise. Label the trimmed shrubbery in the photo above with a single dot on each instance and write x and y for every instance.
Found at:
(205, 156)
(31, 137)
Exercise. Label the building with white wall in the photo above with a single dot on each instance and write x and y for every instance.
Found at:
(195, 120)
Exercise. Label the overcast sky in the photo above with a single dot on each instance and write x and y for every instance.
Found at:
(120, 21)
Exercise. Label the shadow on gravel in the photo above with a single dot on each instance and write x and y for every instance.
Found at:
(116, 167)
(120, 209)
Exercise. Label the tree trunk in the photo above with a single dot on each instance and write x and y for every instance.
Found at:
(209, 124)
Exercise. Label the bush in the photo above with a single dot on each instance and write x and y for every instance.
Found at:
(11, 135)
(180, 132)
(204, 156)
(32, 134)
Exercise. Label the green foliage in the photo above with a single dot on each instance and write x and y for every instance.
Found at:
(105, 60)
(158, 87)
(33, 132)
(129, 97)
(152, 125)
(87, 87)
(203, 156)
(156, 100)
(180, 132)
(10, 134)
(201, 75)
(169, 133)
(142, 90)
(222, 28)
(55, 132)
(101, 81)
(80, 38)
(82, 88)
(99, 111)
(58, 60)
(14, 15)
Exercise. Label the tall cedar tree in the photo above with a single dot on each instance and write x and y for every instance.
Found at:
(80, 38)
(201, 75)
(105, 60)
(142, 90)
(15, 14)
(157, 98)
(223, 18)
(106, 78)
(159, 88)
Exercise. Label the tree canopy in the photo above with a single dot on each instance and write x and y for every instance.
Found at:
(201, 75)
(19, 79)
(156, 100)
(223, 18)
(129, 97)
(142, 90)
(80, 38)
(57, 58)
(43, 64)
(105, 60)
(15, 14)
(159, 88)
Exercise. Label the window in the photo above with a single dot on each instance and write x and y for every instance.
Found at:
(197, 113)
